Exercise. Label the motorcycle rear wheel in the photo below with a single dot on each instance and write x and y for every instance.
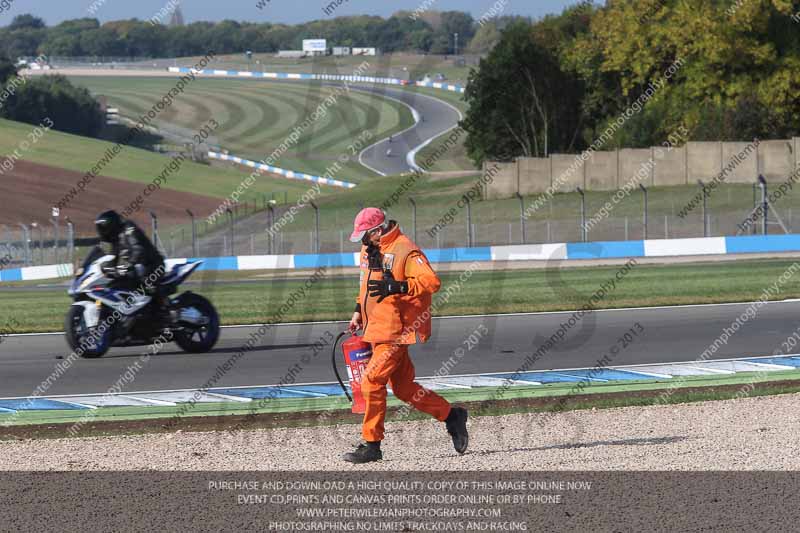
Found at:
(198, 339)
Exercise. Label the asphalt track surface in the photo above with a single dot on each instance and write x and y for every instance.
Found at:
(433, 117)
(670, 335)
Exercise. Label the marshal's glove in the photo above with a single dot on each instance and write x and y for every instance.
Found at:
(386, 287)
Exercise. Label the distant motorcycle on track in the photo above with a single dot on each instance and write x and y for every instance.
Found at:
(103, 316)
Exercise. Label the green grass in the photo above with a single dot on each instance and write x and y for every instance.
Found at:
(256, 116)
(80, 154)
(486, 292)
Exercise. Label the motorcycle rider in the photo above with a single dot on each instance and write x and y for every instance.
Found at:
(136, 259)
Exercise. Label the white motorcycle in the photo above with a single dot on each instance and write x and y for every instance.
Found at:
(103, 316)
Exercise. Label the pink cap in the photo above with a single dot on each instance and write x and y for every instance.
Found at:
(368, 219)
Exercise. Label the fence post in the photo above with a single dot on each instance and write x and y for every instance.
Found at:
(71, 241)
(762, 183)
(521, 218)
(316, 226)
(469, 221)
(54, 221)
(195, 251)
(413, 218)
(644, 215)
(35, 225)
(26, 245)
(271, 227)
(233, 230)
(583, 214)
(705, 207)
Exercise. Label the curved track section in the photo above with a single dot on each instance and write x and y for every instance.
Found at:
(396, 155)
(670, 335)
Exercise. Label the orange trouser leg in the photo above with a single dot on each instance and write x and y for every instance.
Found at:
(390, 364)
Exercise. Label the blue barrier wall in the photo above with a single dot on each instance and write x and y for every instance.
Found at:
(581, 250)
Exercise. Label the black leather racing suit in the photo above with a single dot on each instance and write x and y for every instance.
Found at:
(137, 259)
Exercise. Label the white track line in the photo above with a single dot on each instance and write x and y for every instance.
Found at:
(429, 378)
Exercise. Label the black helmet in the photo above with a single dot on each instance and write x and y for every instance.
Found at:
(109, 226)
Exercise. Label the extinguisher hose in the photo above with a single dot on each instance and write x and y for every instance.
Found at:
(335, 368)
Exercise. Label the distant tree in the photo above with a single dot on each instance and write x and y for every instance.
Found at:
(21, 43)
(72, 109)
(458, 22)
(521, 103)
(135, 37)
(146, 40)
(487, 36)
(420, 40)
(63, 45)
(441, 45)
(101, 42)
(7, 70)
(26, 22)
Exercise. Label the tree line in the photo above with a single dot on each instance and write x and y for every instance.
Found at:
(36, 99)
(630, 73)
(429, 32)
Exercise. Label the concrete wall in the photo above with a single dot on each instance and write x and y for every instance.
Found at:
(537, 171)
(567, 171)
(635, 167)
(776, 159)
(670, 166)
(657, 166)
(747, 167)
(601, 171)
(505, 183)
(705, 161)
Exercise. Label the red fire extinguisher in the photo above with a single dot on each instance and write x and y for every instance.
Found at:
(356, 356)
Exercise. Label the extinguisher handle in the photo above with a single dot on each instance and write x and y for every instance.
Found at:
(335, 368)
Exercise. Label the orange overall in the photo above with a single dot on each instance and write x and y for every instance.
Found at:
(390, 326)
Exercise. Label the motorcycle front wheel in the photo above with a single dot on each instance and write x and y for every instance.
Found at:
(88, 343)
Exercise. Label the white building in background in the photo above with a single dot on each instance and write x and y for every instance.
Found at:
(342, 51)
(315, 47)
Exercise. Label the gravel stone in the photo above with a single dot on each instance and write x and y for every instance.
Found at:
(744, 434)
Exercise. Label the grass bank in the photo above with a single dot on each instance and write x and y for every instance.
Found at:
(240, 302)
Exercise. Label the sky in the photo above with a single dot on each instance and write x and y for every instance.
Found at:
(286, 11)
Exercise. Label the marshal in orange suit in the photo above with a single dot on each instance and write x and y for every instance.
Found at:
(393, 309)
